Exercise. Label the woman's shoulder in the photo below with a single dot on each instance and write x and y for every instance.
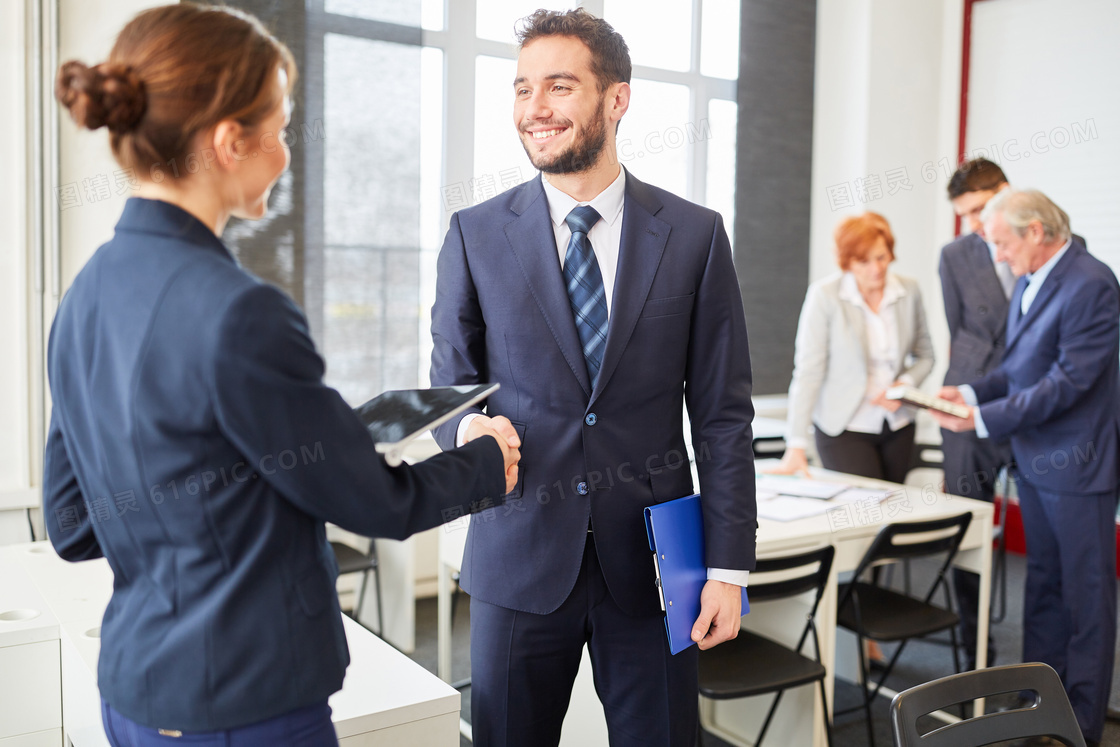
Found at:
(909, 284)
(827, 287)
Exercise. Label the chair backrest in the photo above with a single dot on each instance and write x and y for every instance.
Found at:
(1050, 715)
(903, 540)
(816, 565)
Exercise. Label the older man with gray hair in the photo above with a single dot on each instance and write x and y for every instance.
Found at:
(1056, 395)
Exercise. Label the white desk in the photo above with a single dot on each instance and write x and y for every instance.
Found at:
(737, 722)
(386, 699)
(30, 692)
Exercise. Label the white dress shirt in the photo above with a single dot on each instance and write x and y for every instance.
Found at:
(882, 355)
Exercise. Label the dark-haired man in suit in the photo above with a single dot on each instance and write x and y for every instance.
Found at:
(602, 305)
(1056, 395)
(976, 288)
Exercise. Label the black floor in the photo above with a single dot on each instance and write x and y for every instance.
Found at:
(920, 662)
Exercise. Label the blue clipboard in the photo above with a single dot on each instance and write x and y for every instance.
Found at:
(676, 539)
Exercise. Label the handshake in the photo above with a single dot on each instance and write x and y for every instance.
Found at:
(502, 431)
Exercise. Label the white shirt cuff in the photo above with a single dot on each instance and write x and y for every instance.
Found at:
(907, 379)
(797, 443)
(737, 578)
(978, 421)
(461, 431)
(969, 395)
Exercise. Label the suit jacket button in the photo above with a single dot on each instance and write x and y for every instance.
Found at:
(582, 488)
(983, 309)
(591, 419)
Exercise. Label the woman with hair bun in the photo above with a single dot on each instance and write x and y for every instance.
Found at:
(192, 442)
(860, 331)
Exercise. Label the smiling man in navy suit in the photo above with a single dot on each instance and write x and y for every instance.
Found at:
(602, 305)
(1056, 394)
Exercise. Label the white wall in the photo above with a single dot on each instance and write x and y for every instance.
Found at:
(1043, 98)
(15, 468)
(886, 105)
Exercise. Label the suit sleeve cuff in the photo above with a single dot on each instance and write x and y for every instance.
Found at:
(736, 578)
(969, 395)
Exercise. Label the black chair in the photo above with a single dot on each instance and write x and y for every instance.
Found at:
(1049, 716)
(874, 612)
(751, 664)
(352, 561)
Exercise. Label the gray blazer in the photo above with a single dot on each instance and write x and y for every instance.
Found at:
(975, 307)
(830, 359)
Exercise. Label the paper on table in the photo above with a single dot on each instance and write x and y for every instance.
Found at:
(799, 486)
(791, 508)
(777, 507)
(865, 495)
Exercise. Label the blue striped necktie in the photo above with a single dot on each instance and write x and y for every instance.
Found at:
(585, 289)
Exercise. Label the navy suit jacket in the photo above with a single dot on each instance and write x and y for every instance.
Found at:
(975, 308)
(1056, 393)
(194, 445)
(676, 334)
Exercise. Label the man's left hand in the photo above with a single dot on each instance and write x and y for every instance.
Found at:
(721, 607)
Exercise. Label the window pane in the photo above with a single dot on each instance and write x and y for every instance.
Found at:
(495, 19)
(499, 159)
(658, 32)
(406, 12)
(432, 15)
(655, 135)
(371, 216)
(723, 117)
(431, 177)
(719, 39)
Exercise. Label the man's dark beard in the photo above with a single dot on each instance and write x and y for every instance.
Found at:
(580, 157)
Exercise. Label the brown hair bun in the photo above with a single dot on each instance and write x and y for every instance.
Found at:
(105, 95)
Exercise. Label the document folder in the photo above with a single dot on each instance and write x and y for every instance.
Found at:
(676, 538)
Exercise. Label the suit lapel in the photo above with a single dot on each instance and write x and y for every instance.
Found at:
(533, 243)
(1049, 287)
(639, 253)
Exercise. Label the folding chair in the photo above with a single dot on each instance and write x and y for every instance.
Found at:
(880, 614)
(751, 664)
(1049, 716)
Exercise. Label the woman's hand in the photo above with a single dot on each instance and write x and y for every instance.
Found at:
(793, 462)
(890, 405)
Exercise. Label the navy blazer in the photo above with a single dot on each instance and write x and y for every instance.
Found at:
(194, 445)
(975, 307)
(1057, 391)
(676, 334)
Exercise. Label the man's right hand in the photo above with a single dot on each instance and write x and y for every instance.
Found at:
(952, 394)
(502, 431)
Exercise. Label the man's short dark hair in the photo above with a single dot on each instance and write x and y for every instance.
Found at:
(977, 175)
(610, 57)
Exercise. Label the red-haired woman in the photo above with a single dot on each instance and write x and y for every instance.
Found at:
(193, 443)
(860, 332)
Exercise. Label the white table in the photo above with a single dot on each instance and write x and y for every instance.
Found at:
(738, 721)
(386, 699)
(30, 691)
